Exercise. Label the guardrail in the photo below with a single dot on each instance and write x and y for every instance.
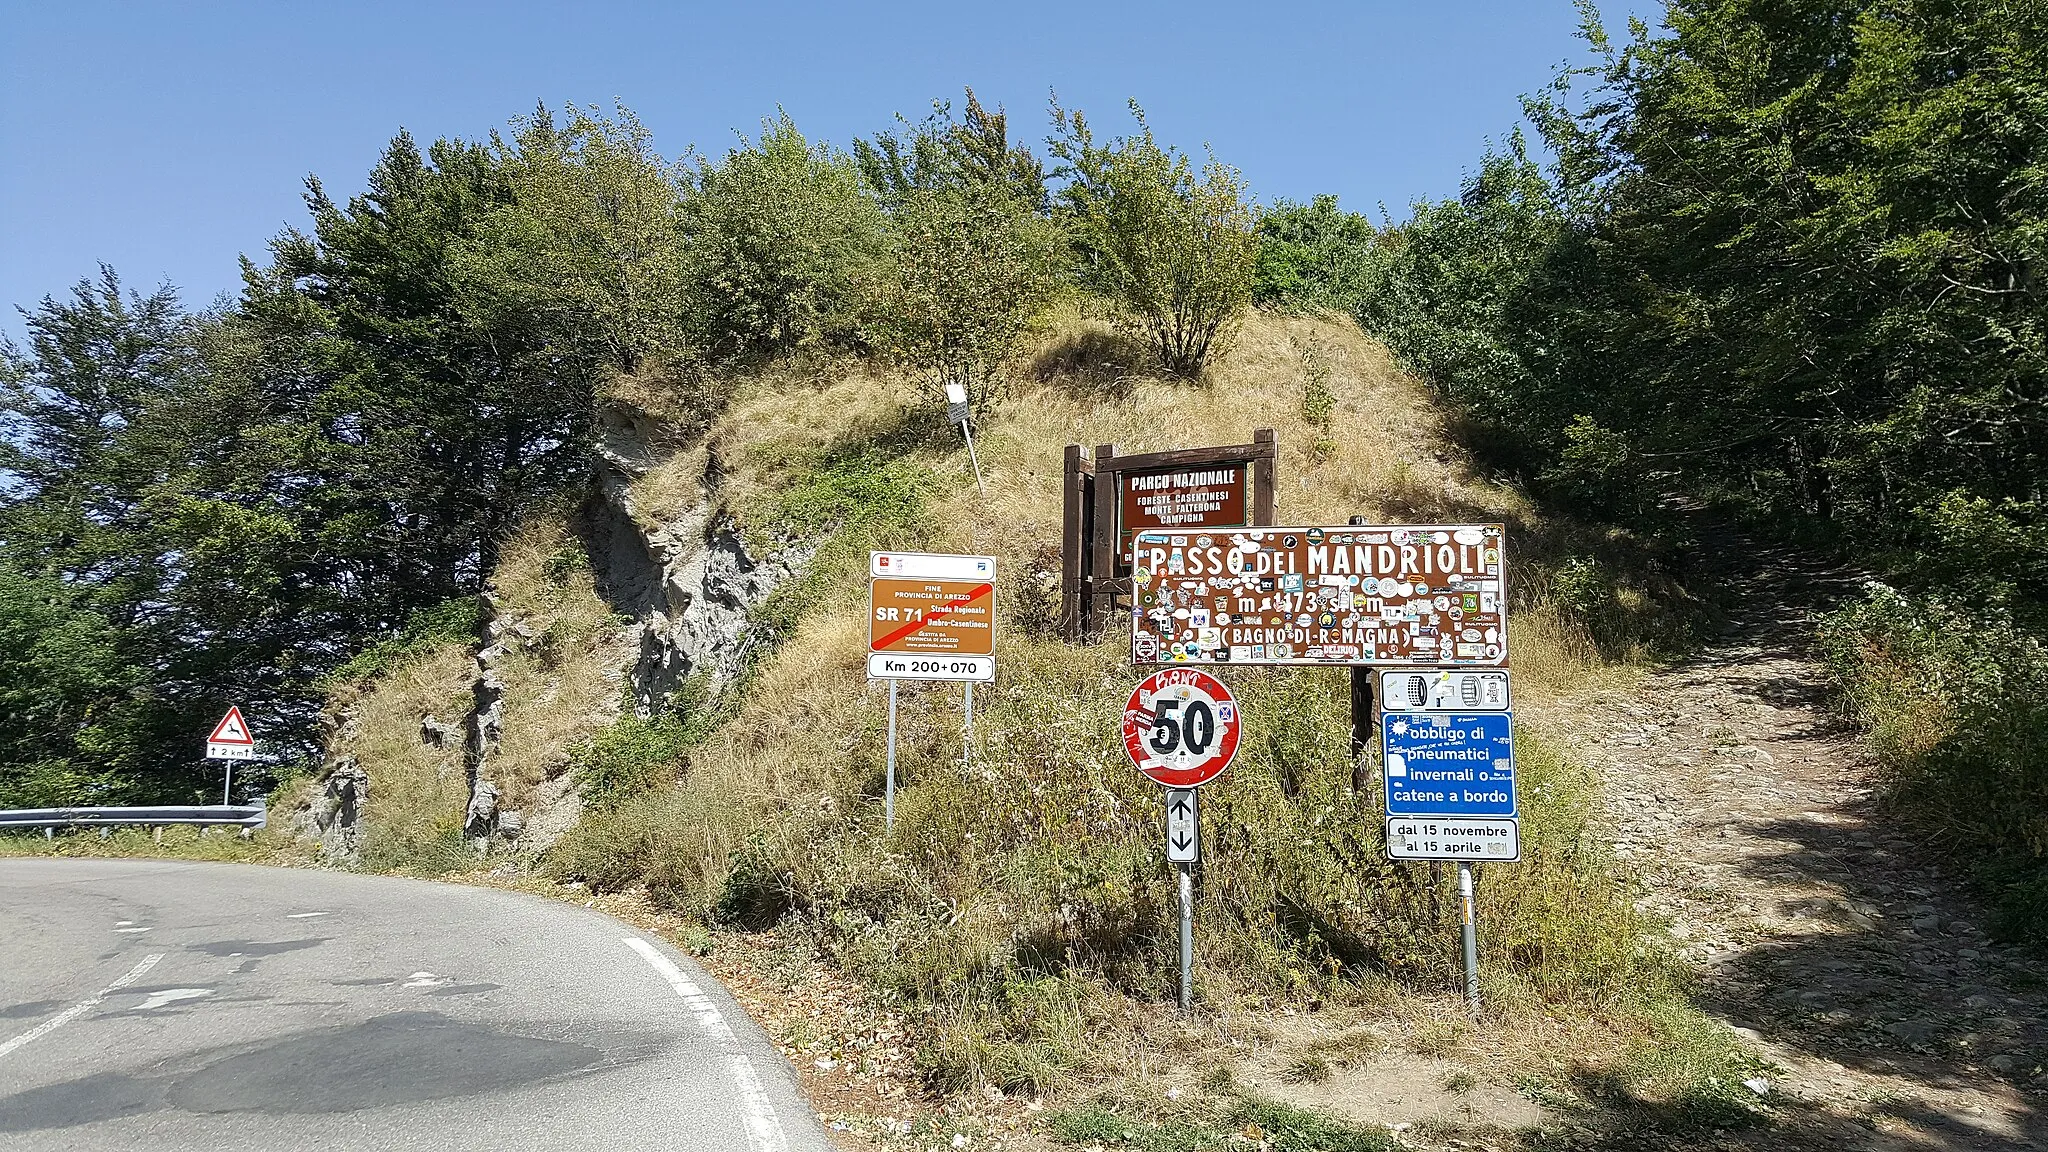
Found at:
(248, 816)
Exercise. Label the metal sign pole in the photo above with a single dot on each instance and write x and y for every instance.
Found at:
(1183, 833)
(227, 782)
(965, 431)
(889, 781)
(1187, 937)
(967, 726)
(1471, 938)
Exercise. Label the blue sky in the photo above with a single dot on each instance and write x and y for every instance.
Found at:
(167, 139)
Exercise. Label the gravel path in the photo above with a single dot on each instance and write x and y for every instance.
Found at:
(1855, 961)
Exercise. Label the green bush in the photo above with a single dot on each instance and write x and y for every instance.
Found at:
(973, 264)
(447, 622)
(1313, 256)
(1176, 250)
(783, 241)
(1956, 699)
(634, 755)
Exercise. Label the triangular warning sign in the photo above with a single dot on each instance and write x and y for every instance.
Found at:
(231, 730)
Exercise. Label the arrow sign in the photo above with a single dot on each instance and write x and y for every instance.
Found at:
(230, 739)
(1183, 828)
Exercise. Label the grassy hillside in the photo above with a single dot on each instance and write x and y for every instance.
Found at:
(1016, 928)
(1020, 913)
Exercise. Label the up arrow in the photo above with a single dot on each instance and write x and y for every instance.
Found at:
(1182, 837)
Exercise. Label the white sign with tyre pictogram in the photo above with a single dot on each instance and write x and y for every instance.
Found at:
(1181, 727)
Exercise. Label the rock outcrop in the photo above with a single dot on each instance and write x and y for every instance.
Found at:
(335, 817)
(691, 584)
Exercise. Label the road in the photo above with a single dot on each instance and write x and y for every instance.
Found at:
(171, 1005)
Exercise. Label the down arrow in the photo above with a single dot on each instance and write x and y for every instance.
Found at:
(1181, 844)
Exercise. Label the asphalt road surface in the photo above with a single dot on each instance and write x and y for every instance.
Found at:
(170, 1005)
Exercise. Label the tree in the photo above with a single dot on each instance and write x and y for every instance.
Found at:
(783, 240)
(68, 402)
(591, 235)
(973, 265)
(63, 684)
(445, 417)
(973, 150)
(972, 254)
(1176, 252)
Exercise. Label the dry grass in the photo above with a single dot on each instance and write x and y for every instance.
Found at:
(417, 793)
(1017, 905)
(564, 684)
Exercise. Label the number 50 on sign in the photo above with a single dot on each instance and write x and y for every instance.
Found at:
(1181, 727)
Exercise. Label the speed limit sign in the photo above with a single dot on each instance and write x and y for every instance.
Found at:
(1181, 727)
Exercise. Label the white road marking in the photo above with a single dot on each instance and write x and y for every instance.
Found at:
(426, 980)
(82, 1007)
(305, 915)
(170, 996)
(131, 929)
(763, 1129)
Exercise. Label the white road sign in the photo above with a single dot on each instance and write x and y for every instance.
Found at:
(230, 739)
(1444, 690)
(931, 565)
(1183, 827)
(904, 666)
(1454, 838)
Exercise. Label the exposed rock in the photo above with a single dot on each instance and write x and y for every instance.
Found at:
(336, 815)
(487, 721)
(511, 824)
(435, 734)
(482, 816)
(691, 584)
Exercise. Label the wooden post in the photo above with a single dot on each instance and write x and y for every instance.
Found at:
(1361, 714)
(1102, 581)
(1073, 545)
(1268, 442)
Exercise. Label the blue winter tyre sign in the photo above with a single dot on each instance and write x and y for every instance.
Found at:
(1449, 763)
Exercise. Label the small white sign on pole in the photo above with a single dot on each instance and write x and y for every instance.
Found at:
(1444, 690)
(1486, 840)
(891, 666)
(1183, 827)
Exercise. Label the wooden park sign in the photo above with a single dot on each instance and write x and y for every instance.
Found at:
(1428, 594)
(1111, 498)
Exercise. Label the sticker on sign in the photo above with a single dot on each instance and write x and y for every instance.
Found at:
(1453, 838)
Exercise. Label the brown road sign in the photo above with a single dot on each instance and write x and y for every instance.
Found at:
(1358, 594)
(1203, 496)
(941, 617)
